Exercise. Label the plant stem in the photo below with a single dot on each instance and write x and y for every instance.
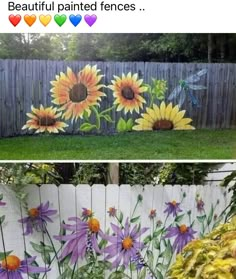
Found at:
(73, 272)
(52, 261)
(54, 249)
(107, 110)
(98, 120)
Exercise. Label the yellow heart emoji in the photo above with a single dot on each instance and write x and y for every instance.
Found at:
(45, 19)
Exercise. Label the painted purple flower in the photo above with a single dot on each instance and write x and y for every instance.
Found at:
(112, 211)
(200, 205)
(172, 208)
(37, 218)
(82, 239)
(125, 244)
(152, 214)
(183, 235)
(12, 267)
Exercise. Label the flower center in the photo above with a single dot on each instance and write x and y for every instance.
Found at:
(33, 212)
(183, 228)
(127, 243)
(174, 203)
(127, 93)
(11, 263)
(163, 125)
(46, 121)
(78, 93)
(94, 225)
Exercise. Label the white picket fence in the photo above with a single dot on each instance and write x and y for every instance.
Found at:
(69, 200)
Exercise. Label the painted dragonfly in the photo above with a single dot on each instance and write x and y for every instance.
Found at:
(185, 88)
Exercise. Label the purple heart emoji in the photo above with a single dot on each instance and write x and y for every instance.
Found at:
(90, 19)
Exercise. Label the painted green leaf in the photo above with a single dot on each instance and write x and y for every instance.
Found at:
(202, 218)
(1, 197)
(46, 257)
(147, 239)
(210, 216)
(38, 248)
(86, 127)
(108, 118)
(156, 244)
(121, 217)
(2, 219)
(142, 274)
(129, 124)
(179, 218)
(3, 255)
(121, 125)
(135, 219)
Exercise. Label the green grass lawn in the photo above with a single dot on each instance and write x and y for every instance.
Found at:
(198, 144)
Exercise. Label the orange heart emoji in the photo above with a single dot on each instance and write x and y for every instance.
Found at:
(30, 19)
(45, 19)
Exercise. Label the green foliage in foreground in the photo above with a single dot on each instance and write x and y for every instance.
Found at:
(198, 144)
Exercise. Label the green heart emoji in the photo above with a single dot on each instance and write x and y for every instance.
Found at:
(60, 19)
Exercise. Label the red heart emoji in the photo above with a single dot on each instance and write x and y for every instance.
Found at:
(14, 19)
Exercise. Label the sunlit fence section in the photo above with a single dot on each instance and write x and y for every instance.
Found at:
(106, 231)
(24, 83)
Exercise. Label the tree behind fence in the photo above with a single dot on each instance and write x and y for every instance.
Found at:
(27, 82)
(69, 201)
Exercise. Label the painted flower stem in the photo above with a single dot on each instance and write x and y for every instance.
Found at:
(73, 272)
(54, 257)
(98, 120)
(54, 249)
(107, 110)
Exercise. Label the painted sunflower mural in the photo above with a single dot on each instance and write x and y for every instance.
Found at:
(78, 97)
(165, 117)
(76, 93)
(44, 120)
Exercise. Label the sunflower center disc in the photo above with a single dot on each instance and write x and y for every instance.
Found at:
(163, 125)
(127, 93)
(78, 93)
(46, 121)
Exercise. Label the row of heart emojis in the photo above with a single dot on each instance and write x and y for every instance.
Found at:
(46, 19)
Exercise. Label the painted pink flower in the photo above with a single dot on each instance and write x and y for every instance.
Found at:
(152, 214)
(13, 268)
(37, 218)
(86, 213)
(112, 211)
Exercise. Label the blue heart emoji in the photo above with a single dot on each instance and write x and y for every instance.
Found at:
(75, 19)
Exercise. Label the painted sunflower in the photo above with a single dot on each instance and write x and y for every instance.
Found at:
(44, 120)
(165, 117)
(127, 90)
(77, 93)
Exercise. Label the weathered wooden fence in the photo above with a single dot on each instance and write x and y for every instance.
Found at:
(69, 201)
(27, 82)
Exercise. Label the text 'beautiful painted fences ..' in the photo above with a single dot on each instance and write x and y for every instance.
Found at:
(27, 82)
(104, 231)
